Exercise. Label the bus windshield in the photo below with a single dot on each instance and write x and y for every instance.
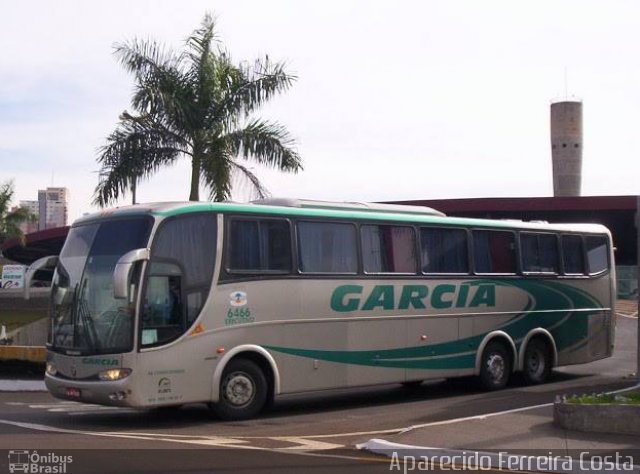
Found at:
(86, 318)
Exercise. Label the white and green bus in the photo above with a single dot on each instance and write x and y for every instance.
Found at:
(235, 304)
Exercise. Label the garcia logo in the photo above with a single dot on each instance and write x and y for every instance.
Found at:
(100, 361)
(347, 298)
(238, 298)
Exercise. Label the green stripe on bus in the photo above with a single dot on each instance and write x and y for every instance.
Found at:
(337, 214)
(551, 307)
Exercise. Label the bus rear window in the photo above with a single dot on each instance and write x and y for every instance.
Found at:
(494, 251)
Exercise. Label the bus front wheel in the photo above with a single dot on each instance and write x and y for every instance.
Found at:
(243, 391)
(537, 362)
(495, 366)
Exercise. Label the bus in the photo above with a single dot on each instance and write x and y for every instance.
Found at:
(231, 304)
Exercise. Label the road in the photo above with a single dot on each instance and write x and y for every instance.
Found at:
(321, 429)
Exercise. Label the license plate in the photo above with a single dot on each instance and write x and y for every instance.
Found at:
(72, 392)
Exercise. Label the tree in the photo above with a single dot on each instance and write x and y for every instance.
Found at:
(196, 105)
(11, 219)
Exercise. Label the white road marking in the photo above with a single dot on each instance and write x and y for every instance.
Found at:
(475, 417)
(72, 408)
(628, 316)
(302, 445)
(305, 444)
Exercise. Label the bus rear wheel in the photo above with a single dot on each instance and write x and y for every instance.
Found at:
(243, 391)
(495, 366)
(537, 362)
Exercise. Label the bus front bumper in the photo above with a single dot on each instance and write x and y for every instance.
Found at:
(115, 393)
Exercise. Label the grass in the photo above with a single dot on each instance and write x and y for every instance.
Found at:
(628, 398)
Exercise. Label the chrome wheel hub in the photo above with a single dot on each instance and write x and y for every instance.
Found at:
(239, 389)
(496, 366)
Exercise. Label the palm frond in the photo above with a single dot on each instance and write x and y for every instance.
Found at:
(243, 175)
(199, 44)
(255, 86)
(145, 58)
(217, 168)
(10, 220)
(6, 195)
(134, 151)
(267, 143)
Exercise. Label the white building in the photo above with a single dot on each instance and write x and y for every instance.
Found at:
(52, 208)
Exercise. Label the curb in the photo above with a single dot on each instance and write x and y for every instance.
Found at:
(600, 418)
(406, 457)
(18, 385)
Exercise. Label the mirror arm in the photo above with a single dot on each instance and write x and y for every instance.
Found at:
(44, 262)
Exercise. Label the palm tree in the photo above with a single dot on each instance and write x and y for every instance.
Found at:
(198, 105)
(11, 219)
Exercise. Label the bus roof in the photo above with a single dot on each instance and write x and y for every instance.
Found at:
(333, 210)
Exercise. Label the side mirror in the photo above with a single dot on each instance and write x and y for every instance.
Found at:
(44, 262)
(122, 272)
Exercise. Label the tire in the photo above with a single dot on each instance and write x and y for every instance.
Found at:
(537, 362)
(243, 391)
(495, 366)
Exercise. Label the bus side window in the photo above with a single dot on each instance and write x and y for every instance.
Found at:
(444, 250)
(259, 245)
(573, 255)
(327, 247)
(539, 252)
(388, 249)
(597, 254)
(494, 251)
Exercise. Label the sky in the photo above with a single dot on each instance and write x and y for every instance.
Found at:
(395, 100)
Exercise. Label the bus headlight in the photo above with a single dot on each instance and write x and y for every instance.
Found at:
(114, 374)
(51, 368)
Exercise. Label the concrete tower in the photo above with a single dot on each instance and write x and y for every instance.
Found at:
(566, 147)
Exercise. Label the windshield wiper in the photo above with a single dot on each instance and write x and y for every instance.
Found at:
(84, 314)
(65, 312)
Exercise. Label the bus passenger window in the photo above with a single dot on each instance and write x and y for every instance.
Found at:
(259, 245)
(444, 250)
(494, 251)
(597, 254)
(388, 249)
(572, 255)
(327, 247)
(539, 253)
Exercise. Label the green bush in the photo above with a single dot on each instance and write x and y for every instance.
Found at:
(627, 398)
